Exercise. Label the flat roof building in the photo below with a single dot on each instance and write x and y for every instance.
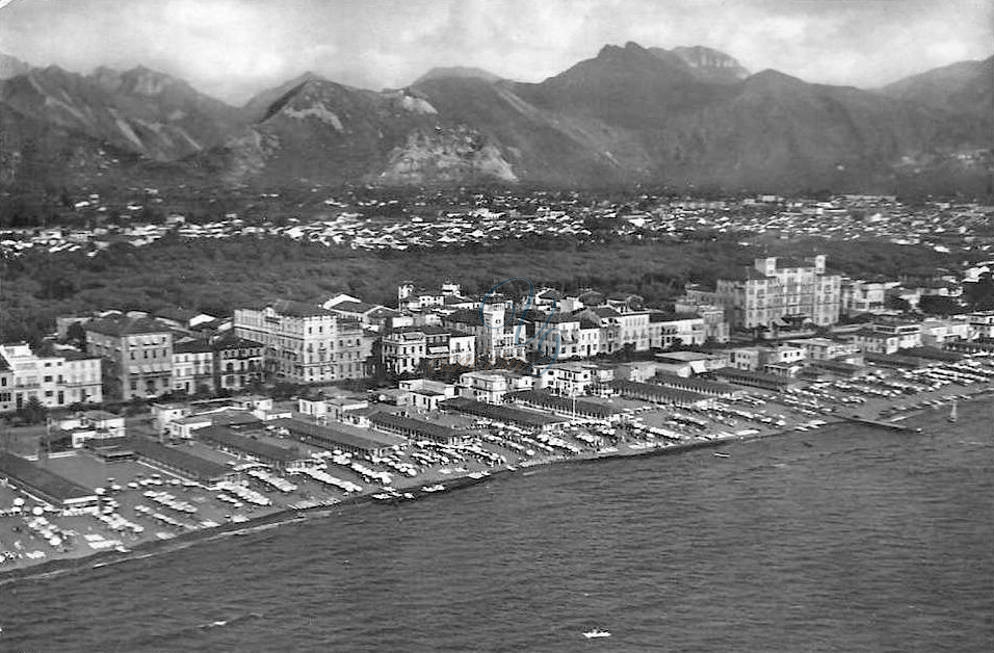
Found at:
(44, 484)
(178, 461)
(562, 405)
(417, 429)
(341, 437)
(515, 416)
(660, 395)
(244, 447)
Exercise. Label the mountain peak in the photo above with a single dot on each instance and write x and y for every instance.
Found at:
(145, 81)
(710, 64)
(12, 66)
(457, 72)
(612, 51)
(771, 82)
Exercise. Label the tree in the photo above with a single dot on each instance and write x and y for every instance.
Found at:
(33, 412)
(894, 302)
(939, 305)
(76, 334)
(980, 295)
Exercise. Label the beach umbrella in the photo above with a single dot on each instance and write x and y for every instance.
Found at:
(18, 501)
(55, 540)
(37, 511)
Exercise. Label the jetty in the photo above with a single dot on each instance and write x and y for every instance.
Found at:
(892, 426)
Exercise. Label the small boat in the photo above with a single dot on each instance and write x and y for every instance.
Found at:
(953, 413)
(722, 454)
(595, 633)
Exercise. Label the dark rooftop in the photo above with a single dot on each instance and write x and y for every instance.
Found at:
(352, 307)
(176, 458)
(334, 437)
(124, 326)
(293, 308)
(191, 347)
(542, 398)
(501, 413)
(657, 391)
(231, 341)
(414, 426)
(261, 450)
(38, 479)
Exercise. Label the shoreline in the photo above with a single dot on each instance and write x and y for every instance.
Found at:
(100, 559)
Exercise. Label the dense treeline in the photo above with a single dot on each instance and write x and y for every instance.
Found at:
(216, 276)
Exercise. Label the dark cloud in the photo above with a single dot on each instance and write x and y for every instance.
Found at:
(232, 48)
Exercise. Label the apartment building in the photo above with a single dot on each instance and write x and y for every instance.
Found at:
(620, 329)
(407, 349)
(936, 332)
(573, 378)
(238, 362)
(779, 291)
(193, 367)
(563, 336)
(137, 353)
(823, 349)
(888, 336)
(767, 359)
(858, 296)
(305, 343)
(413, 298)
(491, 386)
(667, 330)
(56, 381)
(981, 324)
(495, 338)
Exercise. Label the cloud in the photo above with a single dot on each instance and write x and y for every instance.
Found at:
(233, 48)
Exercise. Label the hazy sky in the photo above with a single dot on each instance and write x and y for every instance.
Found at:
(233, 48)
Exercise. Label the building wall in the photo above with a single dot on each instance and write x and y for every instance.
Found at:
(776, 292)
(192, 371)
(682, 332)
(137, 365)
(982, 324)
(237, 368)
(566, 341)
(306, 349)
(54, 380)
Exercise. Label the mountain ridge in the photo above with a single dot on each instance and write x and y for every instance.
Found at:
(689, 116)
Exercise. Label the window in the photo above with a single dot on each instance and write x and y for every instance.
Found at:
(48, 379)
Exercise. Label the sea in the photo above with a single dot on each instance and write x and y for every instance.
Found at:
(843, 539)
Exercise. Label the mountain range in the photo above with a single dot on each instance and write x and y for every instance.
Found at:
(689, 117)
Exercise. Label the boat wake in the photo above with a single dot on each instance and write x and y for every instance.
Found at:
(221, 623)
